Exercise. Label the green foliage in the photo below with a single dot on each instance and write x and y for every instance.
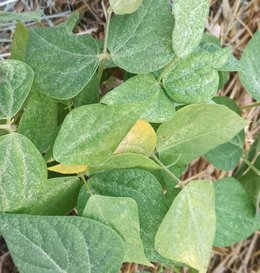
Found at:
(236, 217)
(16, 81)
(135, 42)
(190, 226)
(24, 16)
(126, 224)
(196, 129)
(118, 156)
(61, 244)
(250, 67)
(22, 173)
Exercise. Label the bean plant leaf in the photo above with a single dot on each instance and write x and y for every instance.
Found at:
(187, 232)
(121, 7)
(16, 79)
(250, 67)
(227, 155)
(22, 173)
(60, 244)
(121, 214)
(39, 121)
(139, 89)
(6, 16)
(125, 161)
(58, 57)
(251, 182)
(236, 217)
(192, 80)
(144, 188)
(58, 197)
(90, 134)
(20, 39)
(134, 38)
(69, 169)
(190, 20)
(141, 139)
(196, 129)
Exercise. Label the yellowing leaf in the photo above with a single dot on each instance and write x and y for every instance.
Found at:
(141, 139)
(68, 169)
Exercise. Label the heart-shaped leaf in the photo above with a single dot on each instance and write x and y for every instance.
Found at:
(134, 38)
(121, 214)
(61, 244)
(190, 19)
(250, 67)
(15, 85)
(236, 217)
(187, 232)
(192, 80)
(58, 57)
(90, 134)
(22, 173)
(196, 129)
(135, 184)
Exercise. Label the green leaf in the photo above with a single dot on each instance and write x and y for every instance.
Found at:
(89, 95)
(250, 67)
(90, 134)
(24, 16)
(251, 182)
(236, 218)
(195, 130)
(41, 244)
(227, 155)
(140, 89)
(124, 161)
(22, 173)
(187, 232)
(16, 79)
(63, 62)
(121, 7)
(40, 128)
(135, 184)
(137, 42)
(190, 20)
(20, 39)
(121, 214)
(192, 80)
(58, 197)
(224, 60)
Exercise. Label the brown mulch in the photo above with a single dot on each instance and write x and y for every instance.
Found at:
(234, 22)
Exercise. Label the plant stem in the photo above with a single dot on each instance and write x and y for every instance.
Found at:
(244, 107)
(251, 166)
(9, 127)
(104, 55)
(82, 177)
(170, 174)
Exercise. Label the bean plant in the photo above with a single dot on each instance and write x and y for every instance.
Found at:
(90, 181)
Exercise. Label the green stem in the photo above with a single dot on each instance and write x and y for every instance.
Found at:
(104, 55)
(251, 166)
(170, 174)
(166, 69)
(82, 177)
(249, 106)
(9, 127)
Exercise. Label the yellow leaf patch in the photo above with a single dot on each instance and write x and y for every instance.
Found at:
(141, 139)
